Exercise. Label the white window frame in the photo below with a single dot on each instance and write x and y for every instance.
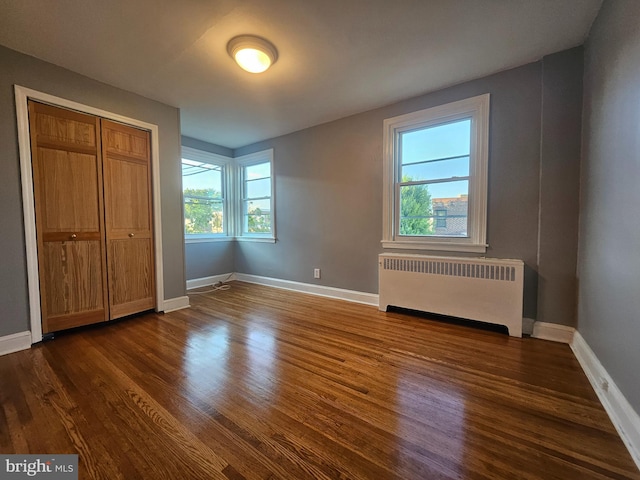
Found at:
(475, 108)
(264, 156)
(196, 155)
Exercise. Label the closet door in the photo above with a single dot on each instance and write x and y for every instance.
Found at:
(67, 177)
(128, 217)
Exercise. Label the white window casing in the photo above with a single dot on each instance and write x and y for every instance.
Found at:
(477, 110)
(257, 158)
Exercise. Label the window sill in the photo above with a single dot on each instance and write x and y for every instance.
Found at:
(256, 239)
(188, 240)
(439, 246)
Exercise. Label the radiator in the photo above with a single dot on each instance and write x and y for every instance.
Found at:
(488, 290)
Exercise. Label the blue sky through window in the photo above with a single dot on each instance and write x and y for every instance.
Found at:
(198, 175)
(438, 152)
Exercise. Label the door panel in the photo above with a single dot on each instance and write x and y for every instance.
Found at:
(131, 275)
(128, 141)
(129, 182)
(67, 175)
(69, 270)
(56, 125)
(70, 192)
(129, 227)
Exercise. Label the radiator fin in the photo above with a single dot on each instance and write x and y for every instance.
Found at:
(452, 269)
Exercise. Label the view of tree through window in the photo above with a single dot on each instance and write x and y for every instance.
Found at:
(258, 220)
(203, 197)
(415, 209)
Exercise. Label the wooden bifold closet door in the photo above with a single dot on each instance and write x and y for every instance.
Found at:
(127, 193)
(92, 194)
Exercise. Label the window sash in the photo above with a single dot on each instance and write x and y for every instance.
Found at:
(247, 200)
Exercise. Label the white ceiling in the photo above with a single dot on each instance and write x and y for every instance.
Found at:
(336, 57)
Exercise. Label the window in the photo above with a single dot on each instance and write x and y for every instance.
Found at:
(441, 219)
(204, 189)
(256, 195)
(228, 199)
(435, 177)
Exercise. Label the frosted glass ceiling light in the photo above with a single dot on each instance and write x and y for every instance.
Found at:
(253, 54)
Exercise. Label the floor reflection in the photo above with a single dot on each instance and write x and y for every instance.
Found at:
(206, 361)
(228, 357)
(262, 362)
(430, 409)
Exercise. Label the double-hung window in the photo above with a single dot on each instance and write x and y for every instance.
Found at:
(435, 177)
(256, 196)
(204, 190)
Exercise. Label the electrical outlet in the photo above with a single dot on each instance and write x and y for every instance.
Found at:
(316, 273)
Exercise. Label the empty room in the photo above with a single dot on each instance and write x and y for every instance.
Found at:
(280, 239)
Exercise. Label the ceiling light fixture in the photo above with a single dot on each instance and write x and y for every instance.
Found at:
(253, 54)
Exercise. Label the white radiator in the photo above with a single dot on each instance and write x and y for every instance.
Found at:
(487, 290)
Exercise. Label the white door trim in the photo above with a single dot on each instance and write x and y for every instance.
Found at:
(22, 95)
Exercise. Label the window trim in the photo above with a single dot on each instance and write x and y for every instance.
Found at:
(225, 162)
(476, 108)
(263, 156)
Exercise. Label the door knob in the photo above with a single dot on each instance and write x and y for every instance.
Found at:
(131, 235)
(73, 236)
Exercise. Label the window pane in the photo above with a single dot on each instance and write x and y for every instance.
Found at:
(440, 141)
(202, 215)
(434, 209)
(258, 223)
(262, 205)
(201, 179)
(257, 218)
(202, 191)
(456, 167)
(451, 207)
(258, 188)
(260, 170)
(415, 210)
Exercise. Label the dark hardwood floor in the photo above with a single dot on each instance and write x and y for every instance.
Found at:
(260, 383)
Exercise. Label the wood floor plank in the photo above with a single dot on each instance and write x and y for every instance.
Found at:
(259, 383)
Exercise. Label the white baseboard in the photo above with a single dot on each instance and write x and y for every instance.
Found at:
(320, 290)
(15, 342)
(553, 332)
(208, 281)
(178, 303)
(624, 417)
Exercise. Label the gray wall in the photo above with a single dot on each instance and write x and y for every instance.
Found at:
(206, 146)
(16, 68)
(329, 186)
(328, 194)
(560, 186)
(609, 248)
(204, 259)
